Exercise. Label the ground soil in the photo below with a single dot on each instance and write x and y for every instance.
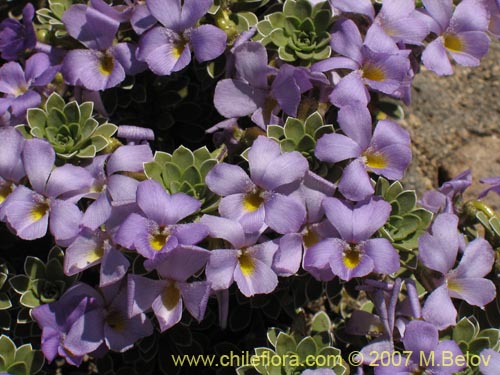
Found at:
(454, 123)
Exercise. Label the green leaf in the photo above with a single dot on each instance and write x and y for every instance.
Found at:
(492, 334)
(36, 118)
(88, 128)
(306, 347)
(285, 343)
(54, 101)
(162, 157)
(300, 8)
(86, 110)
(465, 330)
(29, 299)
(34, 268)
(201, 155)
(99, 142)
(478, 345)
(322, 20)
(495, 225)
(56, 118)
(313, 123)
(320, 323)
(285, 56)
(322, 130)
(18, 368)
(272, 335)
(5, 301)
(192, 176)
(393, 191)
(294, 129)
(275, 131)
(20, 283)
(306, 144)
(407, 201)
(264, 27)
(288, 145)
(107, 130)
(260, 352)
(72, 112)
(278, 37)
(153, 171)
(183, 157)
(206, 167)
(87, 152)
(7, 349)
(171, 172)
(277, 20)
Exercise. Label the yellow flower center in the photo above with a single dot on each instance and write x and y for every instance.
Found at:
(375, 160)
(158, 238)
(95, 254)
(170, 296)
(452, 285)
(39, 211)
(247, 264)
(116, 321)
(373, 73)
(310, 238)
(352, 257)
(252, 201)
(5, 190)
(453, 43)
(106, 64)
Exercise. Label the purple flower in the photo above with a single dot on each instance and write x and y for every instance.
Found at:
(111, 188)
(102, 65)
(288, 258)
(442, 200)
(402, 22)
(354, 254)
(167, 48)
(495, 186)
(376, 62)
(461, 34)
(258, 201)
(11, 165)
(16, 37)
(168, 296)
(93, 248)
(246, 263)
(387, 152)
(438, 251)
(63, 331)
(252, 94)
(421, 340)
(491, 363)
(155, 232)
(17, 85)
(52, 196)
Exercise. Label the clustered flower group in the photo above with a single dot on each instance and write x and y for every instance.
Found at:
(278, 211)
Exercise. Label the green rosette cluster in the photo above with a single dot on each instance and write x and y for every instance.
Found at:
(5, 302)
(50, 18)
(407, 221)
(299, 135)
(472, 341)
(298, 351)
(184, 171)
(19, 361)
(42, 282)
(300, 32)
(70, 128)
